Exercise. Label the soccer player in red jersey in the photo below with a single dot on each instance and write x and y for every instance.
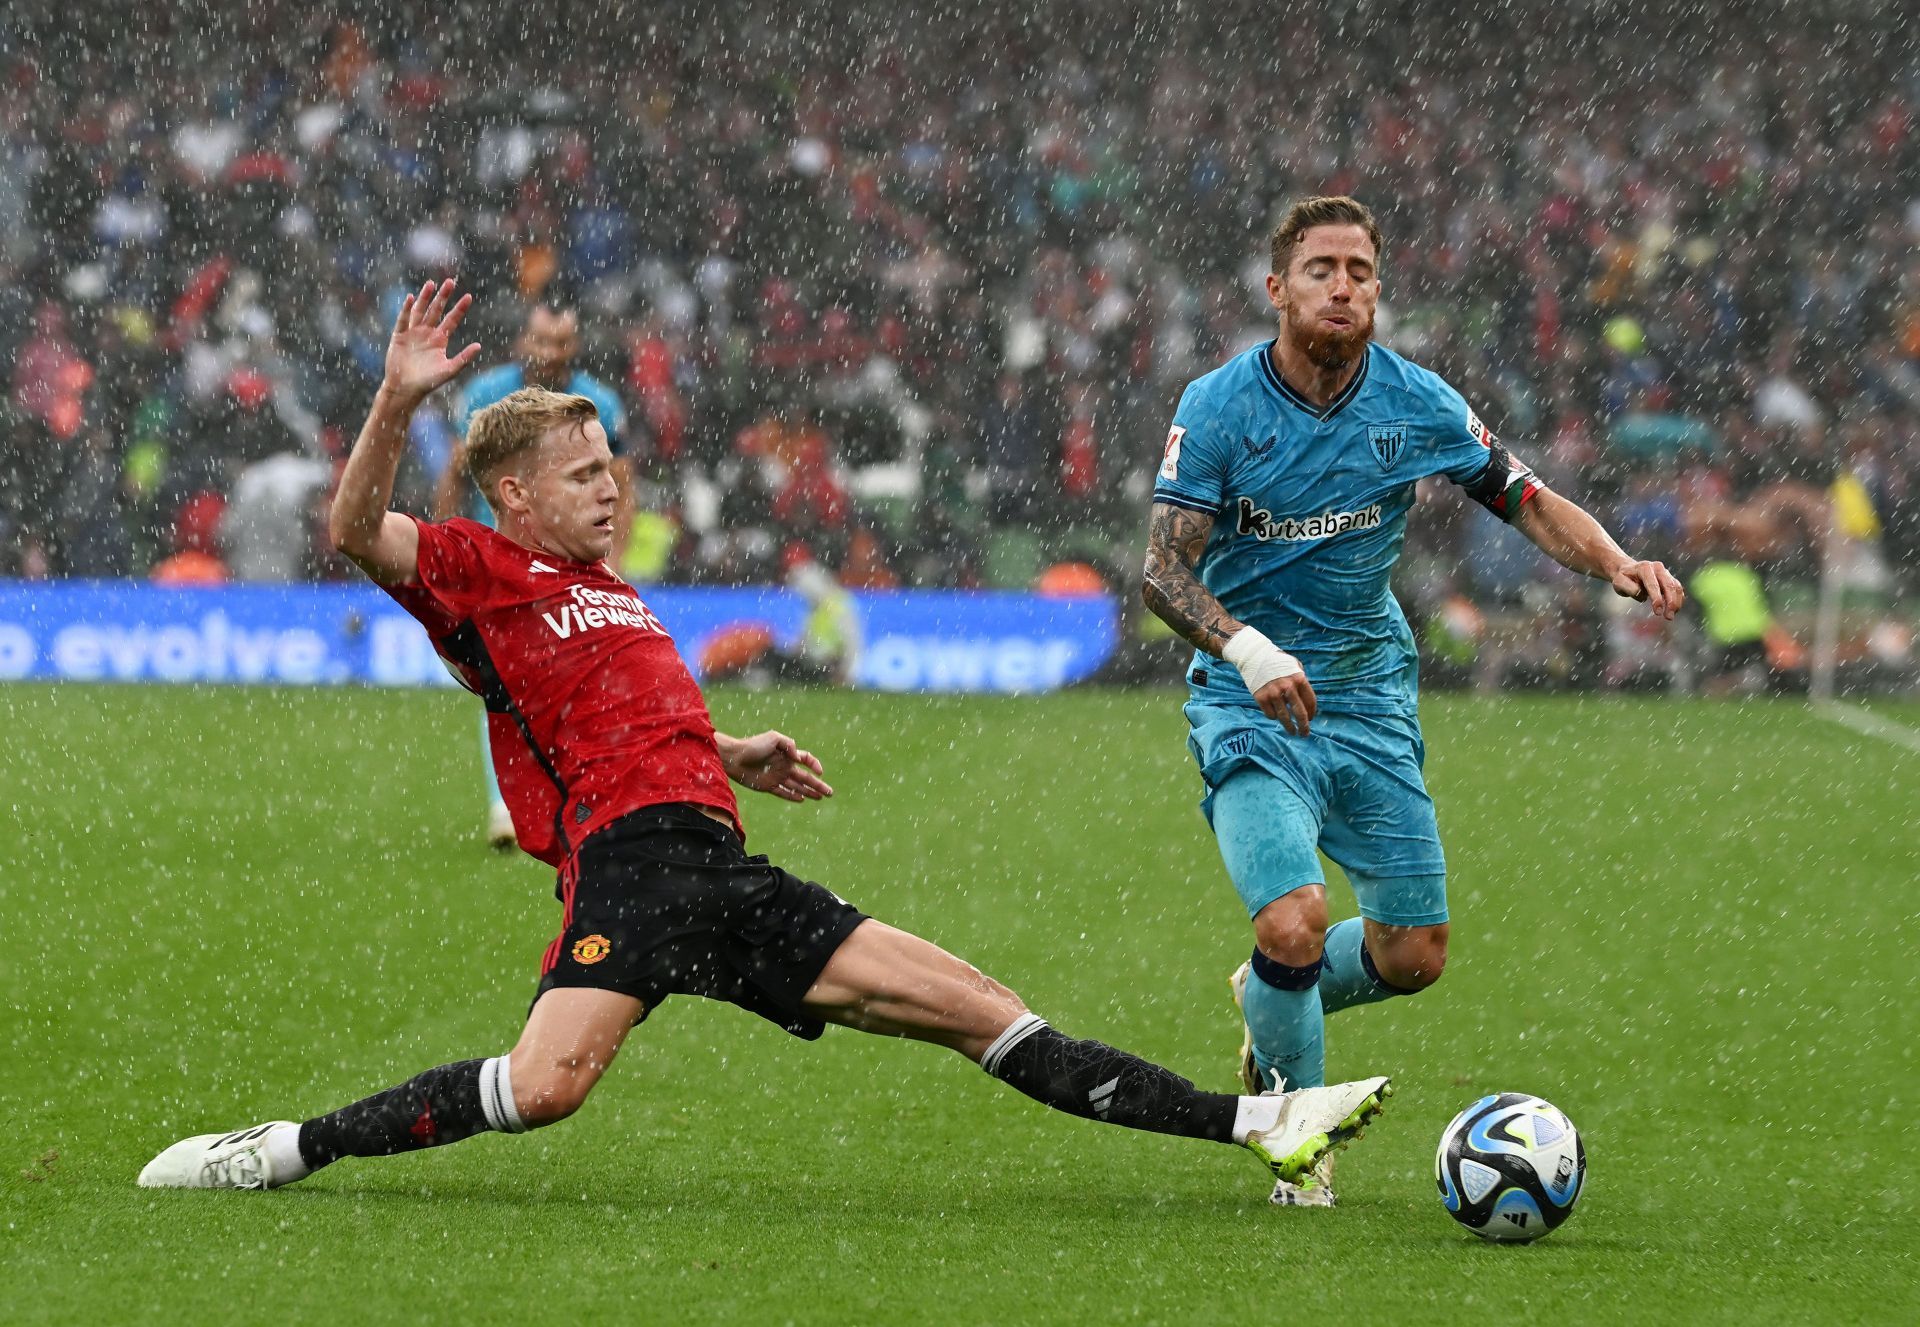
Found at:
(618, 779)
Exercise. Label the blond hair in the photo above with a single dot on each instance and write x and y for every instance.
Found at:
(1303, 216)
(513, 426)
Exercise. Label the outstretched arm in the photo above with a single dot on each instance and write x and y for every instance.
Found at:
(1567, 534)
(1175, 538)
(383, 543)
(772, 762)
(446, 489)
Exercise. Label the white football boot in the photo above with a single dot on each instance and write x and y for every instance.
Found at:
(1315, 1188)
(1249, 1071)
(1315, 1122)
(218, 1161)
(500, 832)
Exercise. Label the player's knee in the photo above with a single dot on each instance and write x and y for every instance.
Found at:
(546, 1093)
(988, 998)
(553, 1100)
(1414, 961)
(990, 1008)
(1008, 999)
(1415, 976)
(998, 1011)
(1293, 929)
(1008, 1003)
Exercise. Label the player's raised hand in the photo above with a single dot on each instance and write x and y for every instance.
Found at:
(1652, 584)
(417, 359)
(772, 762)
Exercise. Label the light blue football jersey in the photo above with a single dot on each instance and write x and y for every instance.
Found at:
(1310, 508)
(504, 380)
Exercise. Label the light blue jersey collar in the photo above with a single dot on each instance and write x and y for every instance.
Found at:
(1271, 376)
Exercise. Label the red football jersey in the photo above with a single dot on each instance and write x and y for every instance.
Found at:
(591, 713)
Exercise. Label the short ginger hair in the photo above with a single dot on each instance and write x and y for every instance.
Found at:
(512, 426)
(1303, 216)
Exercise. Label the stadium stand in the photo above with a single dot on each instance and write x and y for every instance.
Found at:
(918, 303)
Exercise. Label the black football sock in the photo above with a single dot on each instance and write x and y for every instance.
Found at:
(442, 1105)
(1096, 1082)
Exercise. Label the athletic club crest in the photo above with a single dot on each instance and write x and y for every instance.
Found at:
(1387, 441)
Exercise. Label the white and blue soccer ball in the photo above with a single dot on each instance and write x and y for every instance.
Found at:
(1510, 1167)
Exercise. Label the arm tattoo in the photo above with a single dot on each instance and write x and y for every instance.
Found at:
(1175, 538)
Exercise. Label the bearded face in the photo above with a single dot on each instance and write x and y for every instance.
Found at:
(1331, 339)
(1327, 296)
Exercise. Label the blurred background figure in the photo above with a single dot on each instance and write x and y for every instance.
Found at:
(825, 651)
(546, 350)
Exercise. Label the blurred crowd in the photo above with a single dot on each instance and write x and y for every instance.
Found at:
(912, 300)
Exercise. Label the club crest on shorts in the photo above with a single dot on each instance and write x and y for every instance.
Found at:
(1387, 441)
(591, 949)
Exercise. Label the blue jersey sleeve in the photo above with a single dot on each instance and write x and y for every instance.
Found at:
(1467, 452)
(613, 414)
(1193, 468)
(504, 379)
(486, 388)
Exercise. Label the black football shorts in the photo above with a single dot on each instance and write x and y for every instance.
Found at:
(665, 901)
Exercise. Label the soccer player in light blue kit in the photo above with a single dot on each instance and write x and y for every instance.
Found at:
(1278, 514)
(546, 350)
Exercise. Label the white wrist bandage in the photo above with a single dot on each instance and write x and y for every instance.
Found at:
(1259, 660)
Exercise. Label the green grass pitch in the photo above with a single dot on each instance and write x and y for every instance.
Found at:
(1691, 925)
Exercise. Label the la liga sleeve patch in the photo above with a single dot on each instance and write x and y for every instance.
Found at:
(1170, 459)
(1476, 430)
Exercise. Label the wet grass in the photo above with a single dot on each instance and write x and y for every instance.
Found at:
(1689, 924)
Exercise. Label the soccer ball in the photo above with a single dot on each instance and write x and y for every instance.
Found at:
(1510, 1167)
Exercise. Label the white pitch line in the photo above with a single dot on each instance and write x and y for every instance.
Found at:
(1866, 721)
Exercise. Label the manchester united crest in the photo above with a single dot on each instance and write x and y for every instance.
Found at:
(591, 949)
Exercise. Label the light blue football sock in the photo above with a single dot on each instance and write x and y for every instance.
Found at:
(1283, 1013)
(1348, 977)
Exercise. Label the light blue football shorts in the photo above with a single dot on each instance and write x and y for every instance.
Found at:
(1351, 789)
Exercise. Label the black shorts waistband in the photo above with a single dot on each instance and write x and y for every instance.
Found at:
(629, 833)
(655, 819)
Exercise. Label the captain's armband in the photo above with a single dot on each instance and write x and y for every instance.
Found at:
(1505, 484)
